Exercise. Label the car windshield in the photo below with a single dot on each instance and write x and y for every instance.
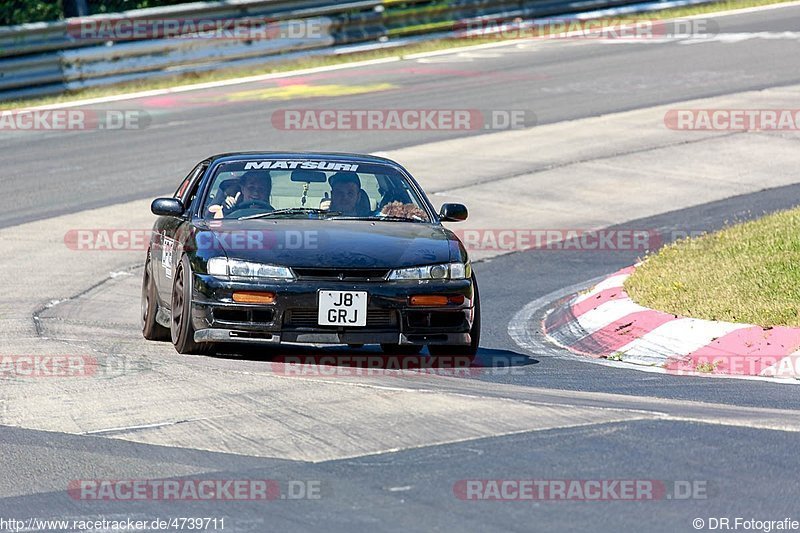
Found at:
(279, 188)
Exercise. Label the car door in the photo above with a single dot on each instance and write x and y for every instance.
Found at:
(166, 250)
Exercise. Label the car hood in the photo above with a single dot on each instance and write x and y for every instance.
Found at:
(330, 243)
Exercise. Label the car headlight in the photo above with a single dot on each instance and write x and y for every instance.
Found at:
(220, 266)
(435, 272)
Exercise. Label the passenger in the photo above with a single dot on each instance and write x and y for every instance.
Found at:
(347, 197)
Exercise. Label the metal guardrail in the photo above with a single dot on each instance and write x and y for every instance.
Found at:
(50, 58)
(103, 64)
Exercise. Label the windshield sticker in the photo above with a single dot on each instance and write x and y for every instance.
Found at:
(305, 165)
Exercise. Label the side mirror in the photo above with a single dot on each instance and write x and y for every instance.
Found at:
(167, 207)
(453, 212)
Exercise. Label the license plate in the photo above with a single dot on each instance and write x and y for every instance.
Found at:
(342, 308)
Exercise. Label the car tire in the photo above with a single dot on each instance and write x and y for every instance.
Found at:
(181, 328)
(151, 330)
(401, 349)
(475, 334)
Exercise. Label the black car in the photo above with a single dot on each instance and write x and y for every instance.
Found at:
(318, 248)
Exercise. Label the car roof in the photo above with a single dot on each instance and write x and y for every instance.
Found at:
(330, 156)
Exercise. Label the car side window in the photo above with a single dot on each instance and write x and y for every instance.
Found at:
(194, 184)
(188, 188)
(183, 186)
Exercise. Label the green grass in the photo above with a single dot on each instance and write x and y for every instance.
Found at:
(746, 273)
(707, 368)
(285, 66)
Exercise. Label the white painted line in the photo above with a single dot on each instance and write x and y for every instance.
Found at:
(631, 10)
(530, 40)
(133, 428)
(470, 48)
(211, 84)
(732, 38)
(742, 11)
(674, 339)
(725, 38)
(400, 489)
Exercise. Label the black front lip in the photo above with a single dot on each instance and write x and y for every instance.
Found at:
(212, 294)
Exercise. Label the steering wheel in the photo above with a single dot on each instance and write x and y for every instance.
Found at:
(248, 207)
(253, 204)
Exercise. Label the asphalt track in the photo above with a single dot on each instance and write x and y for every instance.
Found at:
(553, 417)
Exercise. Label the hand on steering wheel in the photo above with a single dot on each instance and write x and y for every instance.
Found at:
(250, 204)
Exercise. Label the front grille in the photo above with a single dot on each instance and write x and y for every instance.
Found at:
(307, 318)
(343, 274)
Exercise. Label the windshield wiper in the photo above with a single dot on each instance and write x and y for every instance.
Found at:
(382, 218)
(291, 211)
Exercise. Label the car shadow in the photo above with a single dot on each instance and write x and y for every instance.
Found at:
(370, 357)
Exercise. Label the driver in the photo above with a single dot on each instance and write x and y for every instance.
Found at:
(228, 194)
(256, 189)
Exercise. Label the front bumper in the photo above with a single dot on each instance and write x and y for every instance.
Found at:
(292, 317)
